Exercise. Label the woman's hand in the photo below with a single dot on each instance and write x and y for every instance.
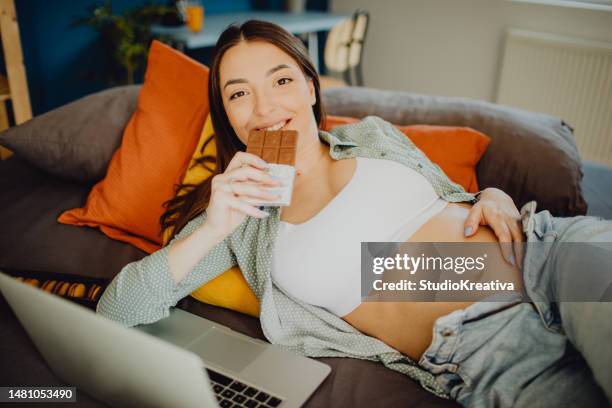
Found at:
(243, 182)
(497, 210)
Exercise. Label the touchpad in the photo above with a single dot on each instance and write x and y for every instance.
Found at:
(226, 349)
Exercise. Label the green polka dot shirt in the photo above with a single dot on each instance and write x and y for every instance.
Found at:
(144, 290)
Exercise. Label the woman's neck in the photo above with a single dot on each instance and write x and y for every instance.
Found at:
(309, 158)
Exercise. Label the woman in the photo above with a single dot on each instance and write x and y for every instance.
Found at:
(261, 78)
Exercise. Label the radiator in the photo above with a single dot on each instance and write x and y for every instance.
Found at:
(566, 77)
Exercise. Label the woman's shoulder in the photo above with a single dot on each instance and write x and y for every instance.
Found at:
(354, 130)
(369, 131)
(366, 122)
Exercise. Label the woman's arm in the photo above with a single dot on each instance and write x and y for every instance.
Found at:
(185, 251)
(144, 290)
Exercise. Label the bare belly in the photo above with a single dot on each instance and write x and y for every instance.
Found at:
(407, 326)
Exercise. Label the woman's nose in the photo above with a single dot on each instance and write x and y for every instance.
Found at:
(264, 105)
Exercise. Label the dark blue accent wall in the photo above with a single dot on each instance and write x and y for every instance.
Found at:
(60, 57)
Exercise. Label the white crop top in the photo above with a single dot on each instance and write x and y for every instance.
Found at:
(319, 261)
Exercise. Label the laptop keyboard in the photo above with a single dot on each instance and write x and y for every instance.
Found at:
(232, 393)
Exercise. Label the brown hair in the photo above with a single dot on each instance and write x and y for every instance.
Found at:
(181, 209)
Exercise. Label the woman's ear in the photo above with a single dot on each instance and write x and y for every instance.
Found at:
(311, 91)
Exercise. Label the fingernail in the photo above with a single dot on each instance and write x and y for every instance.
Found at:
(512, 260)
(467, 231)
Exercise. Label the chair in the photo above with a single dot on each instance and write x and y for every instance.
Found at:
(14, 86)
(344, 50)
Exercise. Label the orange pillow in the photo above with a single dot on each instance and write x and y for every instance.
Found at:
(456, 150)
(155, 150)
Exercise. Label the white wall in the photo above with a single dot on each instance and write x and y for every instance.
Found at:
(454, 47)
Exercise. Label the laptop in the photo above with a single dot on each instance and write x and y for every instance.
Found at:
(180, 361)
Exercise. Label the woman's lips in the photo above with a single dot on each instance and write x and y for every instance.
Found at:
(274, 127)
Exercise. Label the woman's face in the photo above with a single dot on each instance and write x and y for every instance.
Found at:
(263, 88)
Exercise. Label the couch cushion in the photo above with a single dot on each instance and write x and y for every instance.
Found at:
(77, 140)
(32, 239)
(529, 154)
(155, 151)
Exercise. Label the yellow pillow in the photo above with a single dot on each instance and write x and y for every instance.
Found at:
(229, 289)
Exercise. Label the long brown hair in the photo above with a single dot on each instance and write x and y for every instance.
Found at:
(182, 208)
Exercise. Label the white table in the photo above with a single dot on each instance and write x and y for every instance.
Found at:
(307, 23)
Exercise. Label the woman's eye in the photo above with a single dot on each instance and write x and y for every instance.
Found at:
(236, 95)
(282, 81)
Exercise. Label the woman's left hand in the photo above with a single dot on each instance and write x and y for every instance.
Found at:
(497, 210)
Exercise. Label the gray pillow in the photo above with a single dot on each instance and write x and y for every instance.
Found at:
(531, 156)
(76, 141)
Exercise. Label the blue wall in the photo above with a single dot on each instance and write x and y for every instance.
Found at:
(58, 56)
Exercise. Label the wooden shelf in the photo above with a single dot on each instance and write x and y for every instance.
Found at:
(5, 92)
(15, 85)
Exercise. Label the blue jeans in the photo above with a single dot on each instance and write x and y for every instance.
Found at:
(546, 353)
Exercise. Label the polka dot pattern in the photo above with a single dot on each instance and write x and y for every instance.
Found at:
(144, 291)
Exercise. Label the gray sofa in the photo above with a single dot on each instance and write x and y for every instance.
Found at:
(527, 157)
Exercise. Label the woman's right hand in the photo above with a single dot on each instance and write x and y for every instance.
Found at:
(243, 182)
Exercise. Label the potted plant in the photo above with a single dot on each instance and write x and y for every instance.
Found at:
(126, 37)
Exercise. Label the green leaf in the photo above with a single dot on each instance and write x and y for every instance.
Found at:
(128, 35)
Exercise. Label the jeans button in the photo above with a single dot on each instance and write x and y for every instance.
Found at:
(446, 332)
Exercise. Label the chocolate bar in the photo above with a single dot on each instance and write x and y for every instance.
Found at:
(276, 147)
(273, 146)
